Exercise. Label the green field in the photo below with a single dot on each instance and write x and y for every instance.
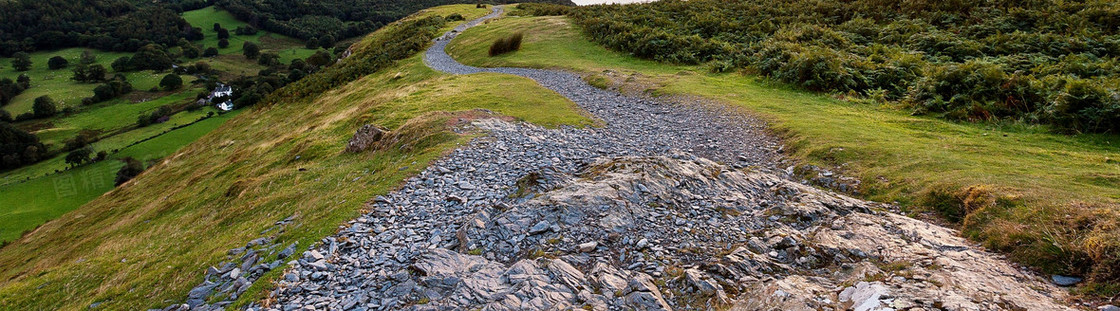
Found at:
(29, 204)
(109, 117)
(54, 83)
(1047, 199)
(231, 60)
(114, 119)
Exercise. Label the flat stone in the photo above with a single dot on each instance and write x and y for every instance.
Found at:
(540, 227)
(864, 296)
(588, 247)
(1062, 280)
(643, 243)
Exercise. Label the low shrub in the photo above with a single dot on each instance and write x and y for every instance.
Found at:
(506, 45)
(812, 67)
(1086, 106)
(960, 90)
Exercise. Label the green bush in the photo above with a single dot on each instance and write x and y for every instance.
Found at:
(960, 90)
(1086, 106)
(44, 107)
(812, 67)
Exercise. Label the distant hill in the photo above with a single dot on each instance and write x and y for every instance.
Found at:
(329, 20)
(123, 25)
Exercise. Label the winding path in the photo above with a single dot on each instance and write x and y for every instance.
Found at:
(722, 136)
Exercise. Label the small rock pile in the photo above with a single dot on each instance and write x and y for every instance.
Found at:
(365, 138)
(224, 283)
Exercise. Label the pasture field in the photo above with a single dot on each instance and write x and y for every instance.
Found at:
(28, 204)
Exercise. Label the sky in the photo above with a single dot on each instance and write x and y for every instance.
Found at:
(586, 2)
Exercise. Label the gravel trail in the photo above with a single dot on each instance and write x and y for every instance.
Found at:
(645, 123)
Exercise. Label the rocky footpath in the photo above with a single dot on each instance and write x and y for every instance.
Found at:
(639, 232)
(667, 206)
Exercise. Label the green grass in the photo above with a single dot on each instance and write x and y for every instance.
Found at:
(29, 204)
(147, 243)
(1049, 200)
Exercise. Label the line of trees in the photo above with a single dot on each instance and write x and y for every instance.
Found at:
(18, 147)
(111, 25)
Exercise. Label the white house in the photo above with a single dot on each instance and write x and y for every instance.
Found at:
(225, 106)
(221, 90)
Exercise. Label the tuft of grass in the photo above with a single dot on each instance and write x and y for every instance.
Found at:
(145, 244)
(599, 81)
(1045, 199)
(506, 45)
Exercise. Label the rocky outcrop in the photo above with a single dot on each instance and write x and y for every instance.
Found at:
(365, 138)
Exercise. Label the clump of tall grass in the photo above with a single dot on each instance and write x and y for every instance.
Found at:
(506, 45)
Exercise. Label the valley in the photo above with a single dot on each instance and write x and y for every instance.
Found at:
(36, 193)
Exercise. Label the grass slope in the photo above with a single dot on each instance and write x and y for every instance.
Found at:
(147, 243)
(1049, 200)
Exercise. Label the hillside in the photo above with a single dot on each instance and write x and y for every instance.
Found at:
(145, 244)
(1039, 62)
